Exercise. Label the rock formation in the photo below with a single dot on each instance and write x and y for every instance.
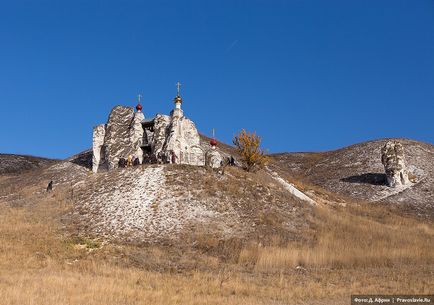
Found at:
(213, 158)
(163, 139)
(159, 136)
(392, 157)
(98, 144)
(183, 139)
(137, 135)
(119, 138)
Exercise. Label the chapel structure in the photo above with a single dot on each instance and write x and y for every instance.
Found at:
(161, 139)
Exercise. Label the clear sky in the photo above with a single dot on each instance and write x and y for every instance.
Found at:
(305, 75)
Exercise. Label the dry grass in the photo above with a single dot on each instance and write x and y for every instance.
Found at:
(352, 252)
(347, 240)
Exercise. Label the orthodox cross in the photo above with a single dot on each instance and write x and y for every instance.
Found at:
(178, 86)
(213, 133)
(139, 97)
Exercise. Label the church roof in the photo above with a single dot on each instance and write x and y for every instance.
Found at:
(148, 122)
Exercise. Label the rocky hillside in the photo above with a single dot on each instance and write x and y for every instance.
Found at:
(16, 164)
(166, 203)
(172, 203)
(357, 172)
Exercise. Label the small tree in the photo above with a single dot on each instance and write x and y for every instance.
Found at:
(248, 146)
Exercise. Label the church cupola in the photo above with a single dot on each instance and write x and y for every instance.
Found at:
(177, 112)
(139, 106)
(213, 141)
(178, 100)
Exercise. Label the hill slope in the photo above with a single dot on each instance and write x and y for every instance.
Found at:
(357, 172)
(17, 164)
(165, 203)
(175, 234)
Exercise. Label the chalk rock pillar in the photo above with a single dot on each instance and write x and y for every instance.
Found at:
(392, 157)
(117, 139)
(98, 142)
(161, 123)
(213, 158)
(183, 139)
(136, 135)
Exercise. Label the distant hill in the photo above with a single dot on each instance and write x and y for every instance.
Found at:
(16, 164)
(356, 171)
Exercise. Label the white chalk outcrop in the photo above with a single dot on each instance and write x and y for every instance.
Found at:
(213, 158)
(291, 188)
(183, 140)
(392, 157)
(161, 123)
(98, 143)
(117, 138)
(163, 139)
(137, 135)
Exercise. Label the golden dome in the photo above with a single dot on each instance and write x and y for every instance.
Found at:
(177, 99)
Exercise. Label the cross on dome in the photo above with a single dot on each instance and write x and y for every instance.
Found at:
(213, 141)
(139, 106)
(178, 87)
(178, 99)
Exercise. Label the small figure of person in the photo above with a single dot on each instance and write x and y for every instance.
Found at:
(146, 158)
(130, 161)
(121, 162)
(174, 157)
(50, 186)
(167, 156)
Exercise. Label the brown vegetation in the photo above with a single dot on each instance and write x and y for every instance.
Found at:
(353, 250)
(346, 240)
(248, 145)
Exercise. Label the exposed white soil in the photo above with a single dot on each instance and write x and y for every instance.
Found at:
(291, 188)
(138, 205)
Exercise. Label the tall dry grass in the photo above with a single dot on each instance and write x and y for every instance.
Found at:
(351, 253)
(349, 240)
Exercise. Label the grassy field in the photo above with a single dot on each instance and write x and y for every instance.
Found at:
(352, 250)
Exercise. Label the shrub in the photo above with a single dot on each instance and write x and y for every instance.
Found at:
(248, 145)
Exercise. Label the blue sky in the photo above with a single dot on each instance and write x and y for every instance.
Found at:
(305, 75)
